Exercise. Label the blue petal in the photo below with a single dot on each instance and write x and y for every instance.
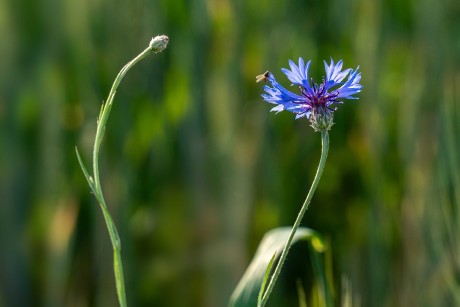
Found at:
(278, 93)
(292, 107)
(306, 82)
(278, 108)
(295, 75)
(351, 86)
(304, 114)
(334, 73)
(298, 75)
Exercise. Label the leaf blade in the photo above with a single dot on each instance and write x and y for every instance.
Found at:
(247, 291)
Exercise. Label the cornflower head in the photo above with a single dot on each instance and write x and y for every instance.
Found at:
(315, 100)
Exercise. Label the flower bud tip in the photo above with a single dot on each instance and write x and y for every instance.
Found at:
(159, 43)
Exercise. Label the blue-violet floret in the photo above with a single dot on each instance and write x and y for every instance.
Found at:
(315, 100)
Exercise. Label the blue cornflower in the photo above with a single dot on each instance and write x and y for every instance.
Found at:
(315, 100)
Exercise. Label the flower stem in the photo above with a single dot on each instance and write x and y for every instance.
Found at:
(95, 183)
(319, 172)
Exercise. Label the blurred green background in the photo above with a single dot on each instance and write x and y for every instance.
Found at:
(194, 167)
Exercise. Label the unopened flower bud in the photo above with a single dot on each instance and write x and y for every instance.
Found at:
(159, 43)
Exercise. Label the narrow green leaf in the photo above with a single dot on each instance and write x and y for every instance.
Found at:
(324, 292)
(301, 293)
(266, 277)
(85, 172)
(247, 292)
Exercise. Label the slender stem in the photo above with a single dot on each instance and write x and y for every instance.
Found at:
(113, 233)
(319, 171)
(105, 111)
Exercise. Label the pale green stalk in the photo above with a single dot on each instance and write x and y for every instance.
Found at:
(156, 45)
(319, 172)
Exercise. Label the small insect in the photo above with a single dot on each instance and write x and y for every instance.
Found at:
(263, 77)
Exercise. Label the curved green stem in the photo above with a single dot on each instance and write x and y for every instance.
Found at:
(113, 233)
(319, 172)
(95, 183)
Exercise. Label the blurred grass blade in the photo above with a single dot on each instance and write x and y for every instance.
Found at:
(247, 291)
(322, 283)
(266, 276)
(302, 295)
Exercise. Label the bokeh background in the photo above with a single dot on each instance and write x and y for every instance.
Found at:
(194, 167)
